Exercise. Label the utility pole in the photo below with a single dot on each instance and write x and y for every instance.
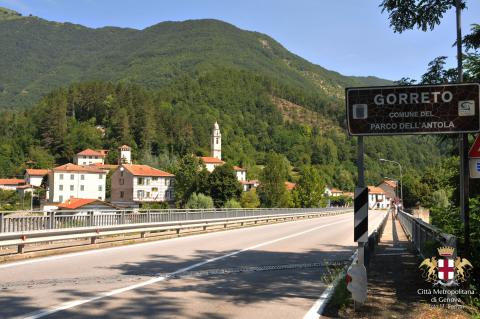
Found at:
(463, 143)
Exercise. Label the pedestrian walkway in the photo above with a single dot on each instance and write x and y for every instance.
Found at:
(393, 282)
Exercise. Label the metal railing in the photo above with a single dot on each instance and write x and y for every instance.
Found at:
(36, 221)
(425, 237)
(374, 239)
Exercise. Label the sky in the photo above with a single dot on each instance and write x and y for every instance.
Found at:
(349, 36)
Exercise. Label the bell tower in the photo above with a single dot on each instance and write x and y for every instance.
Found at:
(216, 142)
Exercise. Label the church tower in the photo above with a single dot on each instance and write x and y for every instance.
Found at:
(216, 142)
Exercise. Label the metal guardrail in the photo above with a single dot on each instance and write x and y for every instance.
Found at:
(33, 221)
(374, 239)
(425, 237)
(20, 239)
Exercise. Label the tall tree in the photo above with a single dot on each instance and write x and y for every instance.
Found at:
(309, 189)
(224, 185)
(185, 178)
(272, 190)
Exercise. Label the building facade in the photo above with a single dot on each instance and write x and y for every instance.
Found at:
(75, 181)
(35, 177)
(377, 198)
(90, 157)
(141, 183)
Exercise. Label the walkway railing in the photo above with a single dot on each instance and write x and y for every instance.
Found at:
(425, 237)
(34, 221)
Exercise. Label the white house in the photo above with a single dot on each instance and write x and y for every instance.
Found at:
(11, 184)
(34, 177)
(70, 180)
(241, 173)
(89, 157)
(133, 184)
(248, 185)
(377, 198)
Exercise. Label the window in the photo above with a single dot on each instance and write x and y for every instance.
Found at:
(166, 181)
(90, 157)
(82, 187)
(72, 177)
(122, 194)
(100, 188)
(121, 181)
(96, 157)
(216, 140)
(60, 187)
(82, 177)
(100, 197)
(61, 176)
(140, 181)
(71, 187)
(121, 173)
(147, 180)
(60, 199)
(154, 179)
(84, 163)
(148, 194)
(100, 176)
(140, 194)
(154, 189)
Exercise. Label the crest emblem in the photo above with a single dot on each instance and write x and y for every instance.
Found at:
(446, 271)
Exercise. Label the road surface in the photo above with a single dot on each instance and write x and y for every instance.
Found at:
(227, 274)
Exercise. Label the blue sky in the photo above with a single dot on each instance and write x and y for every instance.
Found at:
(348, 36)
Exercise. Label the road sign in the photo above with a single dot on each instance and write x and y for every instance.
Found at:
(475, 168)
(413, 109)
(475, 149)
(360, 207)
(357, 282)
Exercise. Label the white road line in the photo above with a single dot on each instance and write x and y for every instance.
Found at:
(136, 245)
(74, 303)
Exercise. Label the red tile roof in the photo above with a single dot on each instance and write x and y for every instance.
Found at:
(145, 170)
(238, 168)
(211, 160)
(290, 185)
(11, 181)
(390, 183)
(90, 152)
(77, 168)
(36, 172)
(74, 203)
(336, 190)
(104, 166)
(375, 190)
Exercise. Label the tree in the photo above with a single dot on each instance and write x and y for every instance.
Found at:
(309, 189)
(272, 190)
(231, 203)
(250, 199)
(224, 185)
(185, 178)
(199, 201)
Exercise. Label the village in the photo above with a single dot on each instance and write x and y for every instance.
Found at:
(82, 184)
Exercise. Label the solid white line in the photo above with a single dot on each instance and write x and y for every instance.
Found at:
(136, 245)
(71, 304)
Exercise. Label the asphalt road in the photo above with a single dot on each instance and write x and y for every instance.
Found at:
(271, 271)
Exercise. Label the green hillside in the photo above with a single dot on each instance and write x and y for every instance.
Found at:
(39, 56)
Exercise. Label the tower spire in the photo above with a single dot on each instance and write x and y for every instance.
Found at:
(216, 142)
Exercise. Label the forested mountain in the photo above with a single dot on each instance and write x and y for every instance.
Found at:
(160, 90)
(39, 56)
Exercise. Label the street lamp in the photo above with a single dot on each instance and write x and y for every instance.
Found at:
(401, 176)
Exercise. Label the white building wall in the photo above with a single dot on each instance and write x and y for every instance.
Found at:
(241, 175)
(153, 189)
(378, 201)
(64, 185)
(33, 180)
(88, 159)
(210, 166)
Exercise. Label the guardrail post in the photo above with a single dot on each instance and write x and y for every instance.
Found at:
(149, 218)
(51, 220)
(90, 219)
(122, 217)
(1, 222)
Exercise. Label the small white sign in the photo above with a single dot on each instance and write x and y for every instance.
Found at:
(466, 108)
(475, 168)
(360, 111)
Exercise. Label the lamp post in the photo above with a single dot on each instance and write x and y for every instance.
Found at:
(401, 176)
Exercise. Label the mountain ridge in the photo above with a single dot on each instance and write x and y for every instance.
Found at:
(41, 55)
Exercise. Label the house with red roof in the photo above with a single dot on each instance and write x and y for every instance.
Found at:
(90, 204)
(34, 176)
(89, 157)
(75, 181)
(133, 184)
(377, 198)
(390, 188)
(11, 184)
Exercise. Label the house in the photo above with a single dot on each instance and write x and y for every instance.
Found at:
(211, 162)
(11, 184)
(390, 189)
(89, 157)
(76, 181)
(248, 185)
(88, 204)
(35, 177)
(290, 186)
(133, 184)
(241, 173)
(336, 192)
(377, 198)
